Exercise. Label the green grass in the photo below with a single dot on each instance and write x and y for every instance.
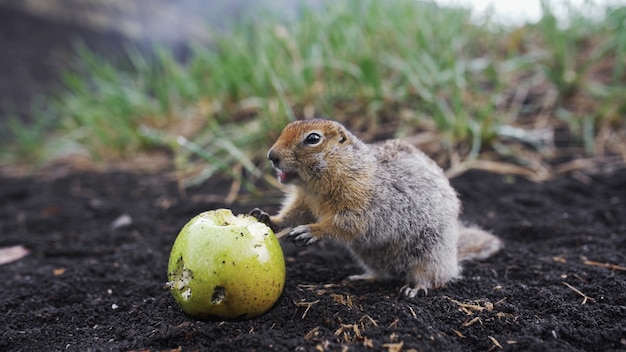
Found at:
(476, 90)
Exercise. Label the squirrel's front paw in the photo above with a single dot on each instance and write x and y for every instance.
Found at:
(261, 216)
(302, 236)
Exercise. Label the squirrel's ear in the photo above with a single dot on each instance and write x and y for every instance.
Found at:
(342, 136)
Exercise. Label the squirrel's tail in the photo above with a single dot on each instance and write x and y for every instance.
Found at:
(476, 243)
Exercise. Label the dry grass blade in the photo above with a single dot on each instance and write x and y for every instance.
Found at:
(502, 315)
(495, 342)
(467, 308)
(537, 174)
(308, 287)
(458, 333)
(591, 164)
(368, 318)
(346, 331)
(308, 306)
(585, 297)
(605, 265)
(394, 347)
(413, 312)
(344, 300)
(472, 322)
(312, 333)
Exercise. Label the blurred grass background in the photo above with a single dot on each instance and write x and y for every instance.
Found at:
(527, 99)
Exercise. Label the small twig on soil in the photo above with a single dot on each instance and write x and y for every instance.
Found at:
(368, 318)
(183, 325)
(502, 315)
(467, 308)
(580, 278)
(472, 322)
(495, 343)
(314, 287)
(605, 265)
(585, 297)
(394, 347)
(344, 300)
(590, 164)
(308, 306)
(458, 333)
(345, 328)
(582, 178)
(500, 302)
(413, 312)
(312, 333)
(537, 174)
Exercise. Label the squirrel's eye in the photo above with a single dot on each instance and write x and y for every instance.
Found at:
(313, 139)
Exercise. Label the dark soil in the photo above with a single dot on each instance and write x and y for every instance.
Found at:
(87, 286)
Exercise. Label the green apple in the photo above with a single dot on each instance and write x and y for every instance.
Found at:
(226, 267)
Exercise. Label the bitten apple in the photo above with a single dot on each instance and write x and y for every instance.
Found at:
(226, 267)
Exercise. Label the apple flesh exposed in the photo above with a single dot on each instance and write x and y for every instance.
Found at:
(226, 267)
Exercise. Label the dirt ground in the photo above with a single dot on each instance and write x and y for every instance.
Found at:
(88, 285)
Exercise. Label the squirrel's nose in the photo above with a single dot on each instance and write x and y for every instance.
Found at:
(273, 156)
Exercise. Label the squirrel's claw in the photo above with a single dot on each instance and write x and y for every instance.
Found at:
(302, 236)
(261, 216)
(411, 292)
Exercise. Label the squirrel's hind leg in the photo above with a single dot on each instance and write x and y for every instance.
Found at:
(424, 277)
(412, 291)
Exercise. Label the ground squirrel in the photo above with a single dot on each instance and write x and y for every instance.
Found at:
(388, 203)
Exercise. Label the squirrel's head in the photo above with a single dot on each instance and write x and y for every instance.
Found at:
(307, 149)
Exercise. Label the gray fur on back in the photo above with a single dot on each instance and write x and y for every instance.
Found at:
(414, 214)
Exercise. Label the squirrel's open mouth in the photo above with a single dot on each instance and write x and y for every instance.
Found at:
(286, 177)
